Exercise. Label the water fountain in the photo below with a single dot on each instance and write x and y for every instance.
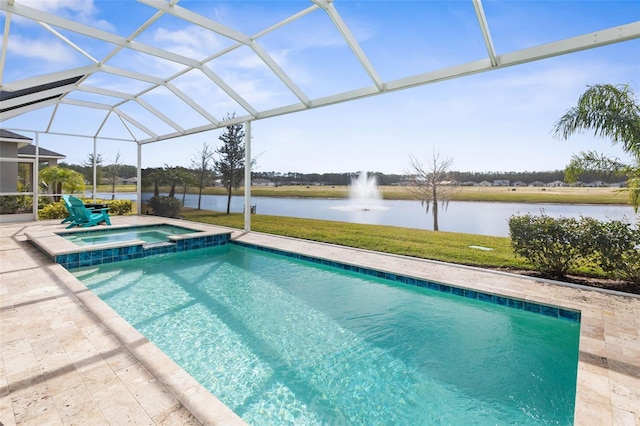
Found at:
(364, 194)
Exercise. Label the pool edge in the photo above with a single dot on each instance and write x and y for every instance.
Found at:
(608, 370)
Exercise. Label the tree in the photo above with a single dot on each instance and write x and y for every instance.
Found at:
(153, 176)
(173, 178)
(59, 178)
(88, 167)
(429, 183)
(201, 163)
(113, 172)
(612, 112)
(230, 162)
(187, 179)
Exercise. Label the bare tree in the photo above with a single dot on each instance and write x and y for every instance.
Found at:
(202, 163)
(431, 183)
(113, 170)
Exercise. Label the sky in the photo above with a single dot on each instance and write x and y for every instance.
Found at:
(500, 120)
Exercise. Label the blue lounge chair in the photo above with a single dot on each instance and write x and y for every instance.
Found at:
(86, 217)
(72, 215)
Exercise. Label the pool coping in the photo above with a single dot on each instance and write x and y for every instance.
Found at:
(608, 385)
(53, 244)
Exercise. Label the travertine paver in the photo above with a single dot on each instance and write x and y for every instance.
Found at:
(67, 358)
(60, 363)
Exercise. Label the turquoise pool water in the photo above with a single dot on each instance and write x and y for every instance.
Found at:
(148, 234)
(283, 341)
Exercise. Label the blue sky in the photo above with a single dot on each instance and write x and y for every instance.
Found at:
(494, 121)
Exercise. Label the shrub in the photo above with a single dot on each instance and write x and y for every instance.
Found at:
(53, 211)
(553, 246)
(10, 204)
(616, 247)
(165, 206)
(119, 207)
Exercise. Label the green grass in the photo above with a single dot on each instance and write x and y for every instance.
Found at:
(444, 246)
(449, 247)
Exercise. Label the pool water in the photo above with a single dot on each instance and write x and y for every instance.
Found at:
(284, 341)
(148, 234)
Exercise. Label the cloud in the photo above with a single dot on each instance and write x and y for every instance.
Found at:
(83, 11)
(49, 51)
(192, 41)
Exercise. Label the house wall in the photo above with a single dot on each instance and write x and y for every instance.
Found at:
(8, 170)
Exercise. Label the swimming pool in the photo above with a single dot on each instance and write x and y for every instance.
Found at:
(148, 234)
(282, 341)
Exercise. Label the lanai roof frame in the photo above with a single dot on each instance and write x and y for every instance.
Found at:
(113, 103)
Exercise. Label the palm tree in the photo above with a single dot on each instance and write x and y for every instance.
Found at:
(612, 112)
(59, 178)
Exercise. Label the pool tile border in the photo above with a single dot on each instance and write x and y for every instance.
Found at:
(537, 308)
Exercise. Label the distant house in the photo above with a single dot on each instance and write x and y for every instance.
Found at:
(262, 182)
(537, 183)
(519, 183)
(596, 184)
(130, 181)
(485, 183)
(501, 182)
(468, 183)
(557, 183)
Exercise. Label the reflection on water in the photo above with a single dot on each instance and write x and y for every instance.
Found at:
(468, 217)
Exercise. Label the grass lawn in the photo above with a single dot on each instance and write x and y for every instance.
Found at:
(444, 246)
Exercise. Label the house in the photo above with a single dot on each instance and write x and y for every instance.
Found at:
(519, 183)
(501, 182)
(9, 144)
(556, 184)
(15, 147)
(537, 183)
(130, 181)
(262, 182)
(485, 183)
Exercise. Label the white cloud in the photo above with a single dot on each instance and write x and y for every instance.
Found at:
(192, 41)
(83, 11)
(49, 51)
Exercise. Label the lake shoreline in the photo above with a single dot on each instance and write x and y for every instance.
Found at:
(533, 195)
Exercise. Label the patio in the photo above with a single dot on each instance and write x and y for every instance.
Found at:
(67, 358)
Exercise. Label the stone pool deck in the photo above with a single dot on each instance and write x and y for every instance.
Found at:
(67, 358)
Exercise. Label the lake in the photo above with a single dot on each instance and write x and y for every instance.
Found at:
(484, 218)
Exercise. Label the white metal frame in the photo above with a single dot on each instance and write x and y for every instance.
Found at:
(378, 86)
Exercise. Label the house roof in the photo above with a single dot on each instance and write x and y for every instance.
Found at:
(7, 135)
(30, 151)
(123, 85)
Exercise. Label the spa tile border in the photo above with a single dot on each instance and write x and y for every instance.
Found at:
(537, 308)
(138, 251)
